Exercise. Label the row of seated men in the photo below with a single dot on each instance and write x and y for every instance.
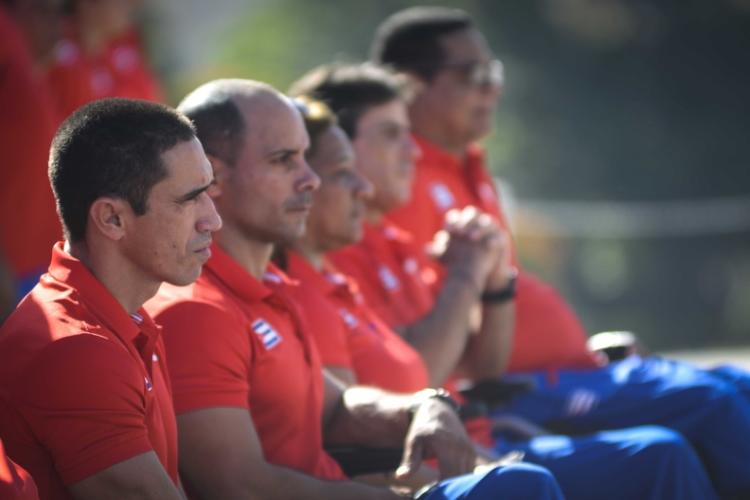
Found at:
(55, 56)
(316, 321)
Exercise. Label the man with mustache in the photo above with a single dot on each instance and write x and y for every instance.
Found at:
(85, 404)
(249, 391)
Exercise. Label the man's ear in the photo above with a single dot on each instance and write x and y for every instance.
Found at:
(413, 83)
(109, 216)
(221, 175)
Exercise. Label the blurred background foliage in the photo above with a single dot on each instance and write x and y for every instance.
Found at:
(622, 132)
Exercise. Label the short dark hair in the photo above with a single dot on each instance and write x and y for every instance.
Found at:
(219, 124)
(351, 90)
(409, 39)
(111, 147)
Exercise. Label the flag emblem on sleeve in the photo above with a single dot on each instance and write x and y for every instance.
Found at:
(268, 336)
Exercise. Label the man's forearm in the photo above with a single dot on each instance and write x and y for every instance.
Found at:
(441, 336)
(487, 354)
(280, 483)
(369, 416)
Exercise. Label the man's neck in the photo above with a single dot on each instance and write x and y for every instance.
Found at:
(374, 216)
(310, 252)
(252, 255)
(127, 284)
(424, 126)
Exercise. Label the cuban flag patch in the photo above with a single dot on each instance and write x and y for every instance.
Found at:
(389, 280)
(349, 319)
(268, 336)
(442, 196)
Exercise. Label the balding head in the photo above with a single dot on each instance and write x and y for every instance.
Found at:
(223, 111)
(256, 141)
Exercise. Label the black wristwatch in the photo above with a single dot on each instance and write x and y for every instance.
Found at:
(431, 393)
(502, 295)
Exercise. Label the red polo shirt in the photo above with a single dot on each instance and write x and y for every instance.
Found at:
(82, 384)
(15, 483)
(548, 334)
(238, 342)
(346, 328)
(27, 122)
(120, 70)
(379, 356)
(395, 275)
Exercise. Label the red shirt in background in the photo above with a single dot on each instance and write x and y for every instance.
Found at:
(395, 275)
(378, 355)
(15, 483)
(27, 121)
(76, 78)
(548, 334)
(235, 341)
(83, 384)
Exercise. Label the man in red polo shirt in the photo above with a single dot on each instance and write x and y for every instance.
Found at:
(249, 391)
(85, 403)
(460, 85)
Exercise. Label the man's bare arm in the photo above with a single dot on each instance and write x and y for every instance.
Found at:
(470, 254)
(425, 427)
(139, 478)
(221, 457)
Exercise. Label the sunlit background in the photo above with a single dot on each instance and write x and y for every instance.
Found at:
(621, 140)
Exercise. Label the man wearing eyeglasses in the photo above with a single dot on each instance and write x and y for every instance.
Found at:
(458, 85)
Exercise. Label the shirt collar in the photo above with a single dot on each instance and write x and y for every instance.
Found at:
(328, 281)
(243, 284)
(302, 270)
(72, 274)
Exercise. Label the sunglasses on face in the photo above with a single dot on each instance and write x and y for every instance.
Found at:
(479, 73)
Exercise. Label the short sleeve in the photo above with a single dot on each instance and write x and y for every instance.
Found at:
(84, 399)
(208, 356)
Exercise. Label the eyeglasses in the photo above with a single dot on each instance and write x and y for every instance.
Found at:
(479, 73)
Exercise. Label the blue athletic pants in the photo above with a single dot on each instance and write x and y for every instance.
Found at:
(711, 408)
(640, 463)
(512, 482)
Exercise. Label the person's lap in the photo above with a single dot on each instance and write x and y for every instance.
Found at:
(517, 481)
(710, 408)
(643, 462)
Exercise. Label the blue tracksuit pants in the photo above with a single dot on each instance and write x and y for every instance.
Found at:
(710, 408)
(643, 463)
(513, 482)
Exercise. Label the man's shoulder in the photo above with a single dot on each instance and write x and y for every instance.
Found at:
(86, 362)
(196, 309)
(43, 319)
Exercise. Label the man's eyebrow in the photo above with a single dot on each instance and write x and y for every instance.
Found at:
(194, 193)
(283, 152)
